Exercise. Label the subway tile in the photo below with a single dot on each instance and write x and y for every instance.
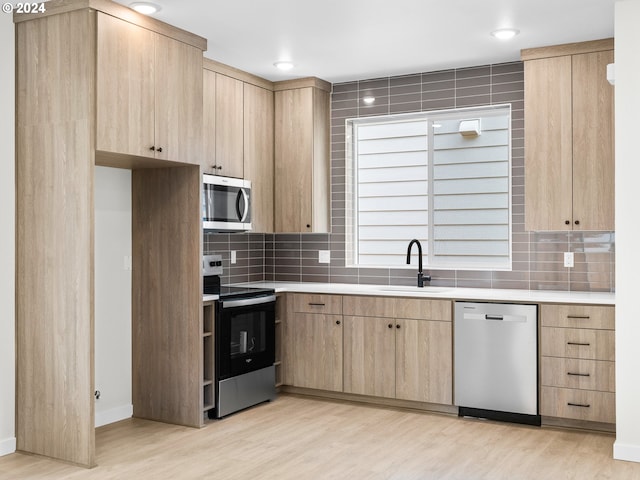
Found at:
(506, 68)
(439, 76)
(405, 80)
(473, 101)
(405, 108)
(344, 87)
(442, 104)
(376, 83)
(462, 73)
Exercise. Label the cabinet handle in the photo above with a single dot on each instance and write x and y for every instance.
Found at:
(577, 222)
(579, 344)
(159, 149)
(567, 222)
(308, 225)
(578, 405)
(152, 148)
(390, 325)
(337, 322)
(583, 317)
(219, 167)
(579, 374)
(397, 325)
(316, 304)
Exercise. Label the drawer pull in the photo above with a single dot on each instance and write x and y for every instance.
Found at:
(579, 374)
(316, 304)
(583, 317)
(579, 344)
(578, 405)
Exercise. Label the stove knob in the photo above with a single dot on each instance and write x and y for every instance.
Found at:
(219, 263)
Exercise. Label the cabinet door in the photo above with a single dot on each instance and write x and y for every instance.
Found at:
(209, 122)
(316, 341)
(178, 100)
(258, 154)
(424, 370)
(593, 142)
(229, 126)
(548, 144)
(369, 356)
(294, 157)
(125, 88)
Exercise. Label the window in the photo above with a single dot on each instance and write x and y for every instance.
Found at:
(417, 176)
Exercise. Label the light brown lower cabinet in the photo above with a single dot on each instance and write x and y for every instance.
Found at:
(369, 356)
(577, 404)
(315, 343)
(423, 361)
(398, 358)
(577, 368)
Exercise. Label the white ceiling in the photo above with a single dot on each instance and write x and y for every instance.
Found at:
(341, 40)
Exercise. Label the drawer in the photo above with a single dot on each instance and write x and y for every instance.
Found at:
(578, 404)
(578, 316)
(358, 306)
(581, 374)
(316, 303)
(421, 309)
(578, 343)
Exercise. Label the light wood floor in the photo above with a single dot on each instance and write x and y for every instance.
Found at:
(304, 438)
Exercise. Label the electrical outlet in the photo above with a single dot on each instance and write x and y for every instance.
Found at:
(233, 256)
(568, 259)
(324, 256)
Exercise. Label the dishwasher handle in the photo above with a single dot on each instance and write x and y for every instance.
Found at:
(490, 316)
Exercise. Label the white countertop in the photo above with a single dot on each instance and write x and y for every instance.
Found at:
(478, 294)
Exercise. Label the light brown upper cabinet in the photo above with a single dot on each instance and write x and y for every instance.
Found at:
(229, 112)
(258, 154)
(149, 93)
(302, 156)
(569, 137)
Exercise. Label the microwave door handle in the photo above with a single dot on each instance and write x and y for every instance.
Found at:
(238, 211)
(246, 204)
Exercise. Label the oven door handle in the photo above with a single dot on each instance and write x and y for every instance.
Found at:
(247, 302)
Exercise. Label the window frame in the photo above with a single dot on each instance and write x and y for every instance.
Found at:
(431, 117)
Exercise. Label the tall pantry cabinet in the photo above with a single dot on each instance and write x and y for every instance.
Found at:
(569, 137)
(69, 119)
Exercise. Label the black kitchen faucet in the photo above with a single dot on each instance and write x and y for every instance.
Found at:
(421, 276)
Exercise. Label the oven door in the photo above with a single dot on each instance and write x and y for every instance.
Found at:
(226, 204)
(245, 335)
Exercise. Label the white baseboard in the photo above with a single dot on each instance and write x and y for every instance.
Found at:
(622, 451)
(113, 415)
(7, 446)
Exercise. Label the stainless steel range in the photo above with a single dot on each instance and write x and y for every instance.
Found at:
(244, 342)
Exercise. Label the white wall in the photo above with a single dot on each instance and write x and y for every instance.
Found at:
(7, 238)
(112, 294)
(627, 73)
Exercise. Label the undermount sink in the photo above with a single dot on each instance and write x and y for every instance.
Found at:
(402, 288)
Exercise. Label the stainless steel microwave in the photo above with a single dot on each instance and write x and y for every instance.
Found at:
(226, 204)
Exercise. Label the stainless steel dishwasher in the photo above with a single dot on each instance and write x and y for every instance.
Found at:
(496, 361)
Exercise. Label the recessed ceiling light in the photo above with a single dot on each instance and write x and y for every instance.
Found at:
(368, 100)
(146, 8)
(505, 33)
(283, 65)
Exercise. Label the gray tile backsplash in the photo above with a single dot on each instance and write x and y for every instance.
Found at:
(537, 256)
